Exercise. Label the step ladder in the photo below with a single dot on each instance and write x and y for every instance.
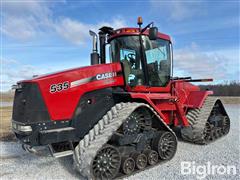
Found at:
(59, 154)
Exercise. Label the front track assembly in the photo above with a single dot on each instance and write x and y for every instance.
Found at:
(207, 123)
(124, 142)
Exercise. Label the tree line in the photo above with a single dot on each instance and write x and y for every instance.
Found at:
(225, 89)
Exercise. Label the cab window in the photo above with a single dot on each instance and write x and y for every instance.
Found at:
(158, 61)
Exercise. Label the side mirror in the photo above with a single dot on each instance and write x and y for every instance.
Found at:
(153, 33)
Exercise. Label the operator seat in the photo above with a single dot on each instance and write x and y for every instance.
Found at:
(163, 71)
(138, 80)
(127, 69)
(153, 73)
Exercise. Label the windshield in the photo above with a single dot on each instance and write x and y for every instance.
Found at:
(156, 52)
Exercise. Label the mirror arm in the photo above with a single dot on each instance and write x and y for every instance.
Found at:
(144, 29)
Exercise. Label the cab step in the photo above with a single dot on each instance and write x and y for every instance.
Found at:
(61, 149)
(62, 154)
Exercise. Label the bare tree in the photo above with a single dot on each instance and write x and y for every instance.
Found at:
(231, 88)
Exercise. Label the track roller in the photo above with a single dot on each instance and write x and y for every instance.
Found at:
(128, 165)
(140, 160)
(152, 157)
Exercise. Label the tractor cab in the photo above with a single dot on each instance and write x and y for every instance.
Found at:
(145, 61)
(145, 54)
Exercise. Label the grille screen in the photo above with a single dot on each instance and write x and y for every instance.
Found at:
(28, 106)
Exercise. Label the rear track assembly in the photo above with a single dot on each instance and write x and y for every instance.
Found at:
(207, 123)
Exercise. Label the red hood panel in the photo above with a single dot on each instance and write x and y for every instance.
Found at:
(61, 91)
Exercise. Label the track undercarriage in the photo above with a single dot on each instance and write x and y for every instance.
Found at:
(125, 141)
(130, 138)
(207, 123)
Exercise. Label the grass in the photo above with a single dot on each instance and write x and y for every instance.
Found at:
(7, 97)
(5, 127)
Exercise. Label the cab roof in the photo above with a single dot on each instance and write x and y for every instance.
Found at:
(134, 31)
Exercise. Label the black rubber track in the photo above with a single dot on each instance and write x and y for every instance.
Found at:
(199, 125)
(102, 132)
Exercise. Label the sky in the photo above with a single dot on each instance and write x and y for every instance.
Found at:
(39, 37)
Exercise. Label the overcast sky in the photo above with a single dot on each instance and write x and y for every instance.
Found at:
(46, 36)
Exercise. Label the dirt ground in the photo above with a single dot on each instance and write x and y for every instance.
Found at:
(17, 164)
(6, 113)
(5, 127)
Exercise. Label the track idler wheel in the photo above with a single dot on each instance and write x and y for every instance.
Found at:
(226, 125)
(207, 132)
(106, 163)
(165, 144)
(128, 165)
(140, 160)
(152, 157)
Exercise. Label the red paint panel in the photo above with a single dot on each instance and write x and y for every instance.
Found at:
(61, 105)
(196, 98)
(135, 31)
(150, 98)
(150, 89)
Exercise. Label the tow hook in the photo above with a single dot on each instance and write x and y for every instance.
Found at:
(28, 148)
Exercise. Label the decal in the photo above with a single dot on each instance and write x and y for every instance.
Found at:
(81, 81)
(59, 87)
(106, 75)
(103, 76)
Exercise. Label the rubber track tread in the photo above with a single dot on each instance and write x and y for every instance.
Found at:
(197, 119)
(101, 133)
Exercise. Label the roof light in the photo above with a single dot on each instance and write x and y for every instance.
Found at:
(140, 21)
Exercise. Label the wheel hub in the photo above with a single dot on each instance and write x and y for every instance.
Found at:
(131, 125)
(107, 162)
(128, 165)
(165, 144)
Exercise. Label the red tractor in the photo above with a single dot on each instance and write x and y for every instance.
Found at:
(117, 118)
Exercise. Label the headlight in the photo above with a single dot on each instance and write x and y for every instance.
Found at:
(16, 86)
(21, 128)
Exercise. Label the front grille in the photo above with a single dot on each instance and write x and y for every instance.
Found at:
(28, 106)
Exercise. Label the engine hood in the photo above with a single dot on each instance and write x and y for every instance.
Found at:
(61, 91)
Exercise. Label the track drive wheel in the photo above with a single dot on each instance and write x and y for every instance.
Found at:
(207, 132)
(106, 163)
(226, 125)
(165, 144)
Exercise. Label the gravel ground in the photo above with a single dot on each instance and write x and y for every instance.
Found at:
(17, 164)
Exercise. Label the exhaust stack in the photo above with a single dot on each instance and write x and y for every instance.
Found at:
(94, 54)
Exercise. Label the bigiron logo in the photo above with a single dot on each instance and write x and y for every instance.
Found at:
(204, 170)
(106, 75)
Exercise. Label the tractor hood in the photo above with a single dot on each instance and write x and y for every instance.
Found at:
(61, 91)
(94, 72)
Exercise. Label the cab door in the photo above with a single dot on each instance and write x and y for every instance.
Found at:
(158, 66)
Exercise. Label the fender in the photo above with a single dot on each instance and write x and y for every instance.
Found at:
(196, 99)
